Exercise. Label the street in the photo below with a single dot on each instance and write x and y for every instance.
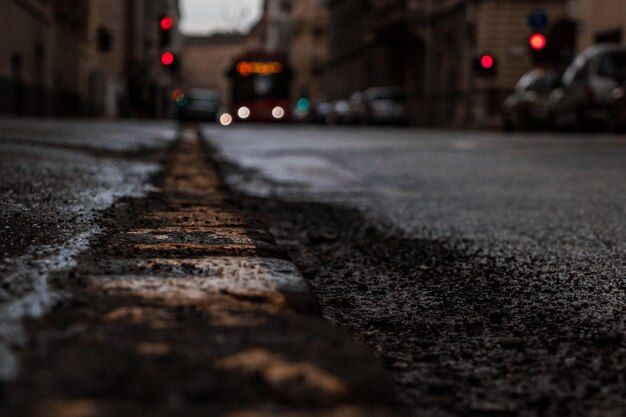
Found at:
(485, 270)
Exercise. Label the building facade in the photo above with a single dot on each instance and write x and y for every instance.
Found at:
(43, 64)
(599, 21)
(307, 49)
(463, 30)
(207, 59)
(428, 47)
(278, 25)
(356, 57)
(90, 57)
(126, 78)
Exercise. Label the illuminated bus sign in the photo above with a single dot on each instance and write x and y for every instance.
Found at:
(246, 68)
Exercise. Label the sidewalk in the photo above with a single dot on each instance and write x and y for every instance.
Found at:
(187, 307)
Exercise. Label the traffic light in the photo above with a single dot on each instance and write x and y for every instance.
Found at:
(539, 49)
(168, 59)
(537, 41)
(485, 65)
(167, 23)
(166, 27)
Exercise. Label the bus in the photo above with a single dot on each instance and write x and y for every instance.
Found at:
(260, 83)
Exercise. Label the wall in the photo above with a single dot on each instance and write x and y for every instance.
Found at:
(308, 48)
(348, 51)
(278, 25)
(26, 58)
(600, 17)
(205, 61)
(42, 58)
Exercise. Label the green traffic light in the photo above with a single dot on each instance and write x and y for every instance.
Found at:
(304, 104)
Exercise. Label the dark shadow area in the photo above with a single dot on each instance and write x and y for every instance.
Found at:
(123, 356)
(461, 333)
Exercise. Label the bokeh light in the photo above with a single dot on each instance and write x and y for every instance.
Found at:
(243, 112)
(167, 58)
(167, 23)
(304, 104)
(226, 119)
(278, 112)
(538, 41)
(486, 61)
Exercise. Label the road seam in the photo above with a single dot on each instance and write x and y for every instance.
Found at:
(189, 307)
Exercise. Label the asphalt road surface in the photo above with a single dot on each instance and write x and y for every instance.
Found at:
(55, 177)
(487, 270)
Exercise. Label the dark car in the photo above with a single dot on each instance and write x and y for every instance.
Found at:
(322, 111)
(340, 113)
(386, 105)
(526, 108)
(195, 104)
(358, 108)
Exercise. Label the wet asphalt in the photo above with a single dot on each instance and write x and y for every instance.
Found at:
(56, 177)
(184, 305)
(486, 270)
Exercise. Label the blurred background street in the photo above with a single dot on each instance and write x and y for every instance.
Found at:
(448, 178)
(519, 65)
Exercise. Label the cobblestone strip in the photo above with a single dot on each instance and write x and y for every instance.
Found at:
(190, 308)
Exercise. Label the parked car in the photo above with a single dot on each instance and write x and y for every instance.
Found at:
(583, 99)
(197, 104)
(526, 108)
(386, 105)
(322, 111)
(358, 107)
(340, 113)
(301, 115)
(617, 105)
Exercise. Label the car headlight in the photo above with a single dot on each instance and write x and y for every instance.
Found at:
(278, 112)
(243, 112)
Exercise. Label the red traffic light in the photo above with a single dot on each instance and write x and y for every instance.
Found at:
(167, 23)
(537, 41)
(167, 58)
(178, 95)
(486, 61)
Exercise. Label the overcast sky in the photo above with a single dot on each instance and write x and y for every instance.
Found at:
(204, 16)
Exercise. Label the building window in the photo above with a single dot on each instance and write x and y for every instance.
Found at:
(104, 40)
(609, 36)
